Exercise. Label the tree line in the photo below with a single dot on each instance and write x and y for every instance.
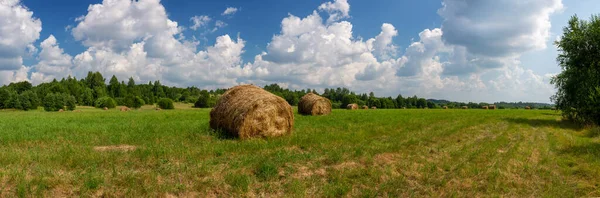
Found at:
(92, 90)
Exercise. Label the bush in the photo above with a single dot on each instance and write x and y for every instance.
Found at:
(70, 102)
(165, 103)
(107, 102)
(134, 102)
(202, 102)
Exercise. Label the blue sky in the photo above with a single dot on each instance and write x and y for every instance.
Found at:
(451, 49)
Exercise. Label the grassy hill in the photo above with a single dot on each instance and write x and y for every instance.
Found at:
(367, 153)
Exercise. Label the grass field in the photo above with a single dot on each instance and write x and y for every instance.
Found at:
(364, 153)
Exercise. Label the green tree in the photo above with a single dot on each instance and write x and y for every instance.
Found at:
(87, 97)
(107, 102)
(202, 101)
(165, 103)
(30, 99)
(4, 96)
(578, 85)
(54, 102)
(113, 87)
(69, 101)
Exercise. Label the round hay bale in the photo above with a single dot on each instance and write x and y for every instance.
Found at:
(158, 109)
(528, 108)
(247, 111)
(445, 107)
(465, 107)
(125, 109)
(374, 107)
(485, 107)
(61, 110)
(313, 104)
(365, 107)
(492, 107)
(352, 106)
(105, 108)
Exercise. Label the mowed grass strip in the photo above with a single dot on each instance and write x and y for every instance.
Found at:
(392, 153)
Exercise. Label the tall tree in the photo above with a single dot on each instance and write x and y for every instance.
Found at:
(578, 95)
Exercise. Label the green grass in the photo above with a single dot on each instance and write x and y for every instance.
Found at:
(366, 153)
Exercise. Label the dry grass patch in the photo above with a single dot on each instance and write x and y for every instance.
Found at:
(123, 148)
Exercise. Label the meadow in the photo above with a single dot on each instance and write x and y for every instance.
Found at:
(362, 153)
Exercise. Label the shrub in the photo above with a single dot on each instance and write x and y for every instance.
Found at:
(202, 102)
(107, 102)
(137, 103)
(165, 103)
(70, 102)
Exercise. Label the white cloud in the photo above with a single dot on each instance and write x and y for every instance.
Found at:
(337, 10)
(199, 21)
(18, 75)
(218, 25)
(115, 24)
(18, 31)
(382, 44)
(229, 11)
(156, 50)
(53, 62)
(498, 28)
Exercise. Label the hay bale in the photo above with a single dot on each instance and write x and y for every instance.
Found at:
(352, 106)
(125, 109)
(61, 110)
(553, 108)
(105, 108)
(528, 108)
(445, 107)
(492, 107)
(313, 104)
(485, 107)
(465, 107)
(374, 107)
(158, 109)
(365, 107)
(247, 111)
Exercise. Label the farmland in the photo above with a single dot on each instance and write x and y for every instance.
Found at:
(364, 153)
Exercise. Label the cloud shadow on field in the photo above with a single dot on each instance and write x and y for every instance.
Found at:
(545, 123)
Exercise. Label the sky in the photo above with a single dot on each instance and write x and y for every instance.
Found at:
(460, 50)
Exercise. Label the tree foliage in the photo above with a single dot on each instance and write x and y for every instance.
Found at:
(107, 102)
(165, 103)
(578, 85)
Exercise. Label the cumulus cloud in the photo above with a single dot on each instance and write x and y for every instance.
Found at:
(337, 10)
(53, 62)
(487, 34)
(141, 41)
(18, 31)
(229, 11)
(382, 44)
(18, 75)
(115, 24)
(199, 21)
